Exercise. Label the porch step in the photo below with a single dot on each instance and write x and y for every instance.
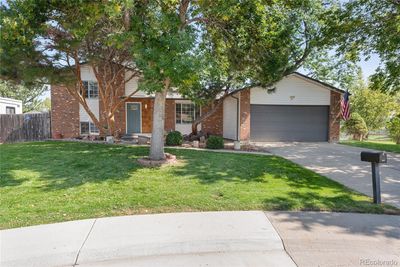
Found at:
(136, 138)
(129, 138)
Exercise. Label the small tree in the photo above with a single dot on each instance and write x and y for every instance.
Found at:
(373, 106)
(356, 127)
(393, 127)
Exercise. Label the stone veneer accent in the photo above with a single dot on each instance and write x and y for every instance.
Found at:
(334, 117)
(64, 113)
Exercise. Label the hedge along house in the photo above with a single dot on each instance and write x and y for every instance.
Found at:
(298, 109)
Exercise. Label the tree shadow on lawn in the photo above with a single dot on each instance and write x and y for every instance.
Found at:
(311, 201)
(64, 165)
(210, 167)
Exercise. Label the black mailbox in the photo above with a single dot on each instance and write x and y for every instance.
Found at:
(375, 157)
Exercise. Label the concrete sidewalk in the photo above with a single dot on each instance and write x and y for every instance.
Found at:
(339, 239)
(176, 239)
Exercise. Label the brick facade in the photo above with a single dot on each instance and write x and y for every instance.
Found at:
(334, 117)
(147, 115)
(169, 115)
(64, 113)
(245, 115)
(213, 124)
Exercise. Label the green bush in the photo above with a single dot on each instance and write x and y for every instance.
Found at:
(215, 142)
(356, 126)
(393, 127)
(174, 138)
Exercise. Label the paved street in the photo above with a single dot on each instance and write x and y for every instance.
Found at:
(342, 163)
(339, 239)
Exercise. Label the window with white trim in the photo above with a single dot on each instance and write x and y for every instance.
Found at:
(91, 89)
(10, 110)
(186, 113)
(88, 128)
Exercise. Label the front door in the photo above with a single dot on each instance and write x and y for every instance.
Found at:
(133, 118)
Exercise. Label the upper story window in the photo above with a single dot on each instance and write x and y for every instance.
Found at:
(186, 113)
(91, 89)
(10, 110)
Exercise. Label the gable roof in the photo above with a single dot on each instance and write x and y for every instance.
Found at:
(326, 85)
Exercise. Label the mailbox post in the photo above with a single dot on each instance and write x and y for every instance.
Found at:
(375, 158)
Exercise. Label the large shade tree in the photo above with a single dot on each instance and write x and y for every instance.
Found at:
(164, 38)
(367, 27)
(50, 41)
(254, 43)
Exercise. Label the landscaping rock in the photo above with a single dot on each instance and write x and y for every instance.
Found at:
(196, 144)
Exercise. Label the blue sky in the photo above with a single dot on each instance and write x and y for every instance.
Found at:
(369, 67)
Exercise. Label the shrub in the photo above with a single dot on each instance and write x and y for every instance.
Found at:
(356, 126)
(393, 127)
(215, 142)
(174, 138)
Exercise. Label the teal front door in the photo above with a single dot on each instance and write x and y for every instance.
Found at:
(133, 118)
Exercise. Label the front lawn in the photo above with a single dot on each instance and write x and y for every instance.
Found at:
(48, 182)
(382, 145)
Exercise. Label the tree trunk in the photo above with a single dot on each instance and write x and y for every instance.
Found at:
(213, 108)
(157, 134)
(194, 126)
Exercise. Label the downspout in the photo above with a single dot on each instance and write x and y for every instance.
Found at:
(237, 118)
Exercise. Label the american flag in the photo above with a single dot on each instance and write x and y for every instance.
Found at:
(345, 106)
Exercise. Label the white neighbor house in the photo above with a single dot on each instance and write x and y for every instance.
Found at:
(10, 106)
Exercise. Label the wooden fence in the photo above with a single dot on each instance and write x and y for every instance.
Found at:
(24, 127)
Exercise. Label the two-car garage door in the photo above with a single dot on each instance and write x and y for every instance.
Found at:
(289, 123)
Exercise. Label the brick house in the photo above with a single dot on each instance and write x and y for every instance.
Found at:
(298, 109)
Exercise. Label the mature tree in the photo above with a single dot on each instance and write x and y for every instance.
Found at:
(29, 95)
(49, 41)
(163, 41)
(366, 27)
(373, 106)
(254, 43)
(333, 69)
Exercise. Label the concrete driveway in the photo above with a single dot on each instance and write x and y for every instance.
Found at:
(342, 164)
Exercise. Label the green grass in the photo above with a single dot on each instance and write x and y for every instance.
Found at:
(382, 145)
(48, 182)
